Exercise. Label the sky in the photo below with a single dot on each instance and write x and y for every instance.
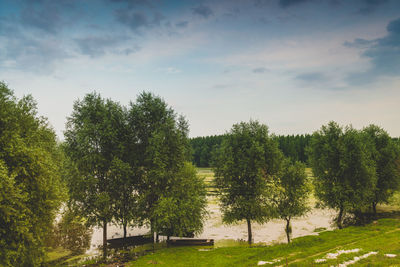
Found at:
(293, 65)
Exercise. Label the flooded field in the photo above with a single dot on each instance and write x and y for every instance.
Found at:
(225, 235)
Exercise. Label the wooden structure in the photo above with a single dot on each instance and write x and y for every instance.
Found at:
(130, 241)
(190, 242)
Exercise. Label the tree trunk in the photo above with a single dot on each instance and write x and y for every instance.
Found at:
(104, 239)
(374, 207)
(152, 231)
(125, 224)
(157, 238)
(250, 236)
(339, 219)
(288, 230)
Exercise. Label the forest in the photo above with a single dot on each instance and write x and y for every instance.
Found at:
(292, 146)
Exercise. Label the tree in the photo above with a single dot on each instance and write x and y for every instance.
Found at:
(343, 169)
(94, 138)
(124, 193)
(161, 151)
(245, 163)
(71, 232)
(385, 155)
(291, 193)
(181, 210)
(31, 190)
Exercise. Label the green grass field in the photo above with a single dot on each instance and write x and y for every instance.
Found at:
(382, 237)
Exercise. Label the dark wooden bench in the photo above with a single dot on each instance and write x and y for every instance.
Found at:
(190, 242)
(130, 241)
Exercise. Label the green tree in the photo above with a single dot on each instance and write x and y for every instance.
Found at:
(93, 140)
(343, 169)
(71, 232)
(385, 155)
(31, 190)
(181, 211)
(124, 193)
(291, 193)
(161, 151)
(245, 163)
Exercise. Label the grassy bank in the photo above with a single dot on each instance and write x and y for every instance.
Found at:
(381, 236)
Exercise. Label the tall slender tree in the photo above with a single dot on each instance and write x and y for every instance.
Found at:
(93, 140)
(161, 150)
(245, 164)
(291, 193)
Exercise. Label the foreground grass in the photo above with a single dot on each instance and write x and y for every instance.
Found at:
(382, 237)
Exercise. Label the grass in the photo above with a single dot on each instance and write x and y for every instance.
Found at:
(382, 237)
(56, 254)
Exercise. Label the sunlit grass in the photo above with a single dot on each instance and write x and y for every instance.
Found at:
(382, 237)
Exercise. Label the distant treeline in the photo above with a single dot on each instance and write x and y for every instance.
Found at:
(202, 148)
(292, 146)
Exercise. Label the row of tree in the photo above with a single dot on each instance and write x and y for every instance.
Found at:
(354, 170)
(128, 165)
(292, 146)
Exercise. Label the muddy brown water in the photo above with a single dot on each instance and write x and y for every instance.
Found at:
(225, 235)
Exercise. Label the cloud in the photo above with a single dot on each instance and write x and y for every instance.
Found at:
(202, 11)
(384, 55)
(137, 19)
(133, 20)
(132, 3)
(289, 3)
(312, 77)
(260, 70)
(182, 24)
(96, 46)
(46, 15)
(19, 51)
(359, 43)
(370, 6)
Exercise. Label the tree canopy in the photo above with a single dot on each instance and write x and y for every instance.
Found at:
(344, 171)
(386, 157)
(245, 163)
(31, 189)
(94, 138)
(291, 193)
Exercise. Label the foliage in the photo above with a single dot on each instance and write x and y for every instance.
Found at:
(181, 210)
(343, 168)
(386, 156)
(245, 163)
(291, 193)
(292, 146)
(71, 233)
(94, 138)
(203, 148)
(31, 190)
(124, 193)
(161, 151)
